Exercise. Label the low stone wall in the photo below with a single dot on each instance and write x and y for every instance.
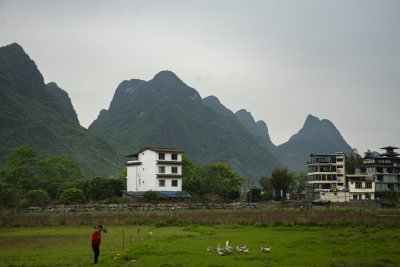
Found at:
(140, 207)
(137, 206)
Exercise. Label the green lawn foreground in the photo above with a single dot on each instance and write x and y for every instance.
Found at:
(186, 246)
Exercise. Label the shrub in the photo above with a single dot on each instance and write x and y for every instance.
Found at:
(73, 196)
(150, 196)
(37, 197)
(23, 203)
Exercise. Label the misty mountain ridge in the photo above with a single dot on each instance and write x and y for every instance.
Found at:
(63, 101)
(39, 116)
(315, 137)
(259, 129)
(166, 112)
(162, 112)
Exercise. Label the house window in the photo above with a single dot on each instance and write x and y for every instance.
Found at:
(368, 185)
(161, 169)
(161, 155)
(174, 156)
(161, 183)
(354, 196)
(174, 183)
(174, 169)
(358, 185)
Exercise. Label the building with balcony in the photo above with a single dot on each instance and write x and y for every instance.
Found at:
(326, 176)
(384, 169)
(377, 174)
(156, 169)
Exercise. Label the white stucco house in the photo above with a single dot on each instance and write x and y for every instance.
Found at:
(157, 169)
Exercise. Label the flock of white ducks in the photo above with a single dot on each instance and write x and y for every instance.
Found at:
(240, 249)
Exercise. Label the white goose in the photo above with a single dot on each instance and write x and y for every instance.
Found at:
(242, 249)
(220, 250)
(265, 249)
(228, 248)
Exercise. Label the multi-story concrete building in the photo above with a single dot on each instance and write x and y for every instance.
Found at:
(377, 174)
(326, 175)
(157, 169)
(384, 170)
(327, 180)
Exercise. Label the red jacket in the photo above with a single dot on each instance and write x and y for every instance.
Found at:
(96, 238)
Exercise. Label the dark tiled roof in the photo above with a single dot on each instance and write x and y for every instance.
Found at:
(161, 149)
(133, 163)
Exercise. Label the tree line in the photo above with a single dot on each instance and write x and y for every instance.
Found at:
(218, 182)
(30, 178)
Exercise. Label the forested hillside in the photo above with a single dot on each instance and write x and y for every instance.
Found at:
(165, 112)
(317, 137)
(162, 112)
(31, 115)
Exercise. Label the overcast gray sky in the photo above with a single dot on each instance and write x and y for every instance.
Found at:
(280, 60)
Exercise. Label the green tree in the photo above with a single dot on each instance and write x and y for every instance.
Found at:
(52, 187)
(117, 185)
(73, 196)
(221, 180)
(368, 153)
(281, 180)
(193, 178)
(123, 173)
(99, 188)
(59, 167)
(64, 186)
(353, 161)
(21, 164)
(37, 197)
(9, 195)
(298, 185)
(82, 184)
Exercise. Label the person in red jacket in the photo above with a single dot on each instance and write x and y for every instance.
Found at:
(96, 241)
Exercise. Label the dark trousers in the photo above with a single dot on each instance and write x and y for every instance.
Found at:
(96, 251)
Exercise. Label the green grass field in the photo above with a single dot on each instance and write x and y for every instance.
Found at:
(186, 246)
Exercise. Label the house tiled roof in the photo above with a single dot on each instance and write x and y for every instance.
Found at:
(160, 149)
(133, 163)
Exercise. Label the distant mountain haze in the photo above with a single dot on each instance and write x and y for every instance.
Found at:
(166, 112)
(162, 112)
(317, 137)
(39, 116)
(259, 129)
